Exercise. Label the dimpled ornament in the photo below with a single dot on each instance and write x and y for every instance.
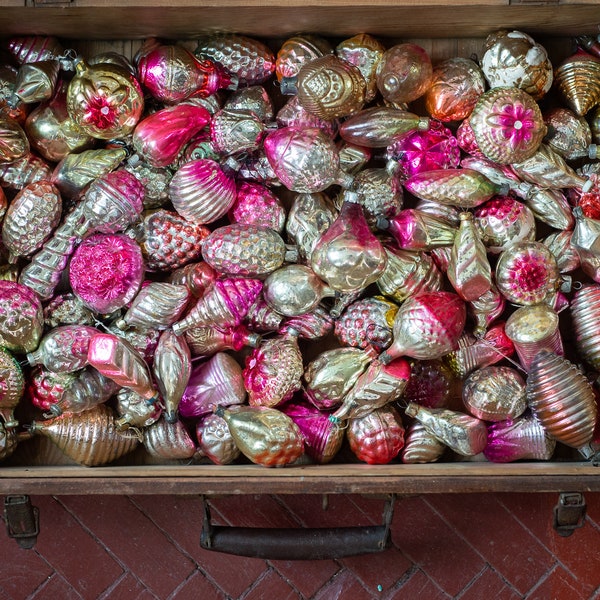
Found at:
(21, 317)
(298, 51)
(427, 326)
(508, 125)
(380, 194)
(257, 205)
(45, 388)
(18, 173)
(215, 441)
(431, 384)
(578, 81)
(456, 86)
(404, 73)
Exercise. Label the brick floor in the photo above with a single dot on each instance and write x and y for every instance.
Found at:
(463, 546)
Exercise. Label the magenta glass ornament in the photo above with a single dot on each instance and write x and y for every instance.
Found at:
(257, 205)
(106, 272)
(45, 388)
(160, 137)
(21, 317)
(465, 136)
(430, 384)
(293, 113)
(418, 151)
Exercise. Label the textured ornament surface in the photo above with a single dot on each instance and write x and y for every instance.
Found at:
(45, 388)
(568, 134)
(254, 98)
(215, 440)
(12, 386)
(578, 80)
(205, 341)
(585, 313)
(18, 173)
(420, 446)
(257, 205)
(21, 317)
(235, 130)
(13, 140)
(168, 440)
(415, 230)
(32, 48)
(135, 411)
(298, 51)
(292, 113)
(155, 181)
(430, 384)
(380, 194)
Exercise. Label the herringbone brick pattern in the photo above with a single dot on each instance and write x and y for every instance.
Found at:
(464, 546)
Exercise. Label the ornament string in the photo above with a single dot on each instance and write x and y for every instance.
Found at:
(515, 364)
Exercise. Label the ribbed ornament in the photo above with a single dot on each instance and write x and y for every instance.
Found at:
(33, 48)
(421, 446)
(12, 386)
(13, 140)
(578, 80)
(585, 313)
(168, 440)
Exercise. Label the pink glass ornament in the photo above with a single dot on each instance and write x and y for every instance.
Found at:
(430, 384)
(33, 48)
(205, 341)
(201, 191)
(45, 388)
(197, 277)
(294, 114)
(417, 230)
(257, 205)
(465, 136)
(106, 272)
(160, 137)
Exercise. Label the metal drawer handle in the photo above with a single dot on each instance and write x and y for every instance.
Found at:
(297, 543)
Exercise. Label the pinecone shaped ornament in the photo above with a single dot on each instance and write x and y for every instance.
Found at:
(17, 174)
(257, 205)
(380, 195)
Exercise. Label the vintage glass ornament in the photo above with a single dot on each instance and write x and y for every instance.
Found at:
(36, 82)
(331, 375)
(256, 167)
(31, 217)
(456, 84)
(420, 446)
(214, 440)
(169, 440)
(533, 329)
(322, 438)
(293, 114)
(144, 340)
(172, 73)
(297, 51)
(169, 241)
(367, 322)
(161, 136)
(217, 381)
(353, 158)
(19, 110)
(578, 81)
(431, 384)
(585, 315)
(503, 221)
(155, 181)
(527, 273)
(250, 60)
(262, 318)
(225, 304)
(44, 388)
(586, 233)
(13, 140)
(519, 439)
(32, 48)
(8, 441)
(380, 194)
(312, 325)
(562, 399)
(17, 174)
(135, 411)
(408, 273)
(304, 159)
(549, 206)
(348, 256)
(273, 370)
(196, 277)
(462, 433)
(417, 230)
(234, 130)
(21, 317)
(588, 200)
(379, 385)
(205, 341)
(12, 384)
(264, 435)
(77, 170)
(508, 125)
(116, 359)
(427, 326)
(568, 134)
(157, 305)
(90, 438)
(404, 73)
(376, 438)
(376, 127)
(494, 394)
(465, 188)
(104, 100)
(246, 250)
(202, 192)
(257, 205)
(469, 270)
(566, 255)
(364, 52)
(514, 59)
(106, 272)
(254, 98)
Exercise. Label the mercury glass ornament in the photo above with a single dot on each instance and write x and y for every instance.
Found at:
(32, 48)
(568, 134)
(36, 82)
(234, 130)
(562, 399)
(168, 440)
(261, 317)
(293, 114)
(312, 325)
(353, 158)
(431, 384)
(578, 81)
(257, 205)
(21, 317)
(196, 277)
(12, 386)
(205, 341)
(297, 51)
(13, 140)
(144, 340)
(420, 446)
(586, 234)
(585, 314)
(17, 174)
(45, 388)
(253, 98)
(135, 411)
(565, 253)
(417, 230)
(380, 195)
(66, 309)
(215, 441)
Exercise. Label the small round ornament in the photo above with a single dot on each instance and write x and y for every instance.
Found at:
(298, 51)
(215, 441)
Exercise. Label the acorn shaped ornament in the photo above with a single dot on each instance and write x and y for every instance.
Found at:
(21, 317)
(12, 384)
(168, 440)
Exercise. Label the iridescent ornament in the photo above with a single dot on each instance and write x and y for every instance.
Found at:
(44, 388)
(420, 446)
(404, 73)
(431, 384)
(427, 326)
(206, 341)
(562, 399)
(585, 313)
(135, 411)
(508, 125)
(169, 440)
(292, 113)
(21, 317)
(414, 230)
(214, 440)
(568, 134)
(456, 85)
(234, 130)
(12, 386)
(13, 140)
(297, 51)
(578, 80)
(257, 205)
(106, 272)
(378, 437)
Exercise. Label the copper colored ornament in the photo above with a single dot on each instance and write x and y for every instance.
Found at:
(21, 317)
(519, 439)
(462, 433)
(562, 399)
(257, 205)
(264, 435)
(168, 440)
(202, 192)
(297, 51)
(205, 341)
(421, 446)
(527, 273)
(12, 384)
(18, 173)
(427, 326)
(456, 85)
(135, 411)
(89, 438)
(430, 384)
(8, 441)
(585, 315)
(13, 140)
(404, 73)
(568, 134)
(578, 80)
(196, 277)
(378, 437)
(215, 440)
(292, 113)
(353, 158)
(31, 217)
(216, 382)
(376, 127)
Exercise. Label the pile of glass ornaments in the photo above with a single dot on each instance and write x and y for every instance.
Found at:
(314, 254)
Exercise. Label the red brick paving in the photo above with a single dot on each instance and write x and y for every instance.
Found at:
(464, 546)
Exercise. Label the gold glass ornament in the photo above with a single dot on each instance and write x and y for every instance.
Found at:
(578, 80)
(135, 411)
(13, 140)
(36, 81)
(12, 385)
(168, 440)
(421, 446)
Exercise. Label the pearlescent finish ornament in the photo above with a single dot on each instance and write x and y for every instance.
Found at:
(135, 411)
(420, 446)
(298, 51)
(90, 438)
(378, 437)
(495, 394)
(431, 384)
(161, 136)
(31, 217)
(578, 81)
(12, 386)
(427, 326)
(257, 205)
(568, 134)
(462, 433)
(202, 192)
(44, 388)
(380, 194)
(520, 439)
(215, 441)
(562, 399)
(13, 140)
(205, 341)
(527, 273)
(264, 435)
(215, 382)
(106, 272)
(33, 48)
(168, 440)
(585, 314)
(508, 125)
(417, 230)
(21, 317)
(456, 84)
